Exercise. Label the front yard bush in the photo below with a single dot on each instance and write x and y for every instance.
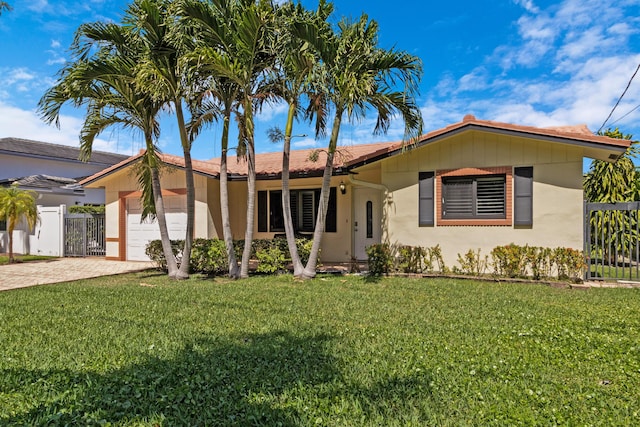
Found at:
(379, 258)
(510, 260)
(472, 263)
(209, 256)
(537, 262)
(270, 259)
(156, 255)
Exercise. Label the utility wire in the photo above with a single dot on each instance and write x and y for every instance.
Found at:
(619, 99)
(632, 110)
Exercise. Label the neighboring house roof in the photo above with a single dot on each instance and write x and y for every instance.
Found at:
(45, 150)
(269, 165)
(46, 184)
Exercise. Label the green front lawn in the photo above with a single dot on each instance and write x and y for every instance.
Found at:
(138, 350)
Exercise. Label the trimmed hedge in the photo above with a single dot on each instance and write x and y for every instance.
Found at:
(511, 261)
(209, 256)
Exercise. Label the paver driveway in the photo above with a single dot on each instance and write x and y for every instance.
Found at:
(58, 270)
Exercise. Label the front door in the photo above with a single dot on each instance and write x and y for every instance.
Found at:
(367, 220)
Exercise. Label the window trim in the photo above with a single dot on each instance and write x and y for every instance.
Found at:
(507, 171)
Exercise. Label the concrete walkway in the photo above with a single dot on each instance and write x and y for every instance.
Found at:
(22, 275)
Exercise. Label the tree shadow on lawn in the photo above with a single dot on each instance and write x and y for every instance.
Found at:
(261, 379)
(212, 381)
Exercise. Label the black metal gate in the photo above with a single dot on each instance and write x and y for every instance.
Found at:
(84, 235)
(611, 241)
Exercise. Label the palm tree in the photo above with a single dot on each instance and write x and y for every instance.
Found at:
(161, 74)
(236, 36)
(105, 85)
(16, 204)
(218, 97)
(218, 101)
(357, 75)
(611, 182)
(6, 6)
(296, 65)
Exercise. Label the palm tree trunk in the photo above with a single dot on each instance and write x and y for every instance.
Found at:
(251, 191)
(10, 227)
(224, 200)
(158, 200)
(286, 196)
(310, 269)
(183, 272)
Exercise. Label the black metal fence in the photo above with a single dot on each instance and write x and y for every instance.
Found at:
(84, 235)
(612, 243)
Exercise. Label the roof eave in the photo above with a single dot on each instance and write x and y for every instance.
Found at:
(467, 127)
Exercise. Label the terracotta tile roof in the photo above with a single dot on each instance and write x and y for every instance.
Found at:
(578, 133)
(269, 165)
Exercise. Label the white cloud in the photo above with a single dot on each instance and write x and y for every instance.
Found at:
(55, 44)
(528, 5)
(12, 76)
(56, 60)
(271, 111)
(306, 143)
(19, 123)
(569, 66)
(38, 6)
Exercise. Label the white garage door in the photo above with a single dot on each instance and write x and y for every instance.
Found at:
(141, 233)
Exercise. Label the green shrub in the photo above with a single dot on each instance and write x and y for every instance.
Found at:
(410, 259)
(155, 253)
(434, 258)
(209, 256)
(569, 263)
(417, 259)
(510, 260)
(87, 209)
(270, 259)
(539, 262)
(304, 249)
(380, 259)
(472, 263)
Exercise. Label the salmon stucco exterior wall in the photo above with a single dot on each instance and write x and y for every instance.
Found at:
(123, 185)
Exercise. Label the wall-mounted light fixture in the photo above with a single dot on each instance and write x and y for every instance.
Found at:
(342, 187)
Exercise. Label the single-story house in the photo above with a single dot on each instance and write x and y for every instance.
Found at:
(474, 185)
(53, 172)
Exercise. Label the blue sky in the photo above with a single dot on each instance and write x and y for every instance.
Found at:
(540, 63)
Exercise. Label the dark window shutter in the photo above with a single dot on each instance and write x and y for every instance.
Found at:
(523, 196)
(331, 222)
(425, 203)
(262, 211)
